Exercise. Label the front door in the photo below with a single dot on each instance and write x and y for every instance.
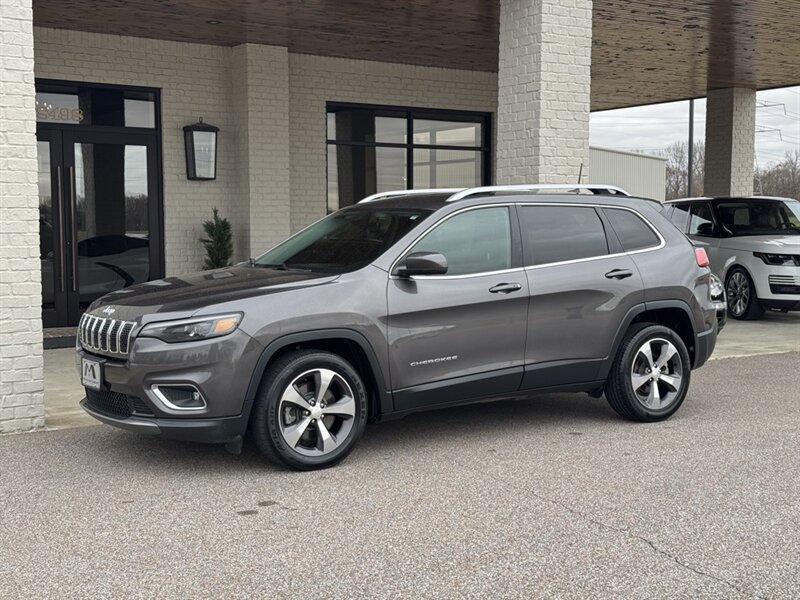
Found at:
(461, 335)
(98, 217)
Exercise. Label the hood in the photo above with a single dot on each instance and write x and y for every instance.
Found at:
(190, 293)
(774, 244)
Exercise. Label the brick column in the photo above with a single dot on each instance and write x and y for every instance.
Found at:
(544, 79)
(21, 386)
(730, 142)
(260, 78)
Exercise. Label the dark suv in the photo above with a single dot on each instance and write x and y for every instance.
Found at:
(404, 302)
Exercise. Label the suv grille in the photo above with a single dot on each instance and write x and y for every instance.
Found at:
(109, 336)
(117, 405)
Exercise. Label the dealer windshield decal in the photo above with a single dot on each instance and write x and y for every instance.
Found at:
(433, 361)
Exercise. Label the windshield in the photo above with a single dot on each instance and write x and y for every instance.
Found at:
(344, 241)
(759, 217)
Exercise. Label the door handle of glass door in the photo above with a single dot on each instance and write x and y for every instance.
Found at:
(60, 208)
(74, 228)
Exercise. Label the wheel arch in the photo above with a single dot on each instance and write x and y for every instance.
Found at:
(674, 314)
(349, 344)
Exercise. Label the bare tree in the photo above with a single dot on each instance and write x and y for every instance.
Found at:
(677, 155)
(780, 179)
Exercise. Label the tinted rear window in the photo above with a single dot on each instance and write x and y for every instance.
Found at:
(632, 231)
(560, 233)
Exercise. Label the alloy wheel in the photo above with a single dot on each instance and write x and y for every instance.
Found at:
(657, 374)
(316, 412)
(738, 293)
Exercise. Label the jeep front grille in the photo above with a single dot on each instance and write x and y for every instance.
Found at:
(108, 336)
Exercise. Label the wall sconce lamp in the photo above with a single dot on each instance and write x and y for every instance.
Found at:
(201, 151)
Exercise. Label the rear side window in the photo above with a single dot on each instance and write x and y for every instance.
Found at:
(632, 231)
(561, 233)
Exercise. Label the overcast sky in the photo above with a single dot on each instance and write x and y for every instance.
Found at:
(651, 128)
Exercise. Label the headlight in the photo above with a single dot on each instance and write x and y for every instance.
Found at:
(189, 330)
(778, 259)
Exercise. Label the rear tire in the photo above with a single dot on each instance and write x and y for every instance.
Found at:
(650, 376)
(740, 292)
(310, 411)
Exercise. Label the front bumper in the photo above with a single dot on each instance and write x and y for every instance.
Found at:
(777, 286)
(219, 369)
(219, 430)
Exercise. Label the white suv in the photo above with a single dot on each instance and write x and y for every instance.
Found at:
(754, 247)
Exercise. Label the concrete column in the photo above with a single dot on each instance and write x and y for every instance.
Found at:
(260, 81)
(730, 142)
(544, 80)
(21, 386)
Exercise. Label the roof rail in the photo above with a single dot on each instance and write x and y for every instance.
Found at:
(595, 188)
(381, 195)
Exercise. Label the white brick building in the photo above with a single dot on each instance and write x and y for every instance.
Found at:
(315, 109)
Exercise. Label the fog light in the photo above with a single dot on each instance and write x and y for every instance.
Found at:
(180, 397)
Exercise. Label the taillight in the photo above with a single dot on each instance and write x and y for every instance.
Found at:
(701, 257)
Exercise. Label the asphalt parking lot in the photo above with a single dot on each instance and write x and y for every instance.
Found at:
(553, 496)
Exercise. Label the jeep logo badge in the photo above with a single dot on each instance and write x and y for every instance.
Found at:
(109, 310)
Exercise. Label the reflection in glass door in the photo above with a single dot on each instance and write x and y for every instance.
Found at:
(98, 218)
(110, 187)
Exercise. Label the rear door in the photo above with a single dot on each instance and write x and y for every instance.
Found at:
(461, 335)
(582, 287)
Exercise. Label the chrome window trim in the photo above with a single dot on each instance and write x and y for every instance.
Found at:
(661, 244)
(434, 226)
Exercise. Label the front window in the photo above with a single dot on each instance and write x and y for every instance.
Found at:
(759, 217)
(476, 241)
(378, 149)
(344, 241)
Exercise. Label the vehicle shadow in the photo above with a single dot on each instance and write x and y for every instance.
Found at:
(453, 425)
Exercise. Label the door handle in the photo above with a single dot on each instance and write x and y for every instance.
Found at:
(619, 274)
(62, 252)
(505, 288)
(74, 228)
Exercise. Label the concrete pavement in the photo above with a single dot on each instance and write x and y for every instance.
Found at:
(550, 497)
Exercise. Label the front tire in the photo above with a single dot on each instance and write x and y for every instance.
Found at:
(740, 293)
(650, 376)
(310, 411)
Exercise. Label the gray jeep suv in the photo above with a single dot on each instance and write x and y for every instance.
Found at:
(405, 302)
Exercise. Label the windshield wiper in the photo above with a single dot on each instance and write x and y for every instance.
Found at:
(280, 267)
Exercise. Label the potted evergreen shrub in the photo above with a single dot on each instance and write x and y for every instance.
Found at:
(218, 242)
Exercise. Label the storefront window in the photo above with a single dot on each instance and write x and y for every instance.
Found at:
(377, 149)
(90, 105)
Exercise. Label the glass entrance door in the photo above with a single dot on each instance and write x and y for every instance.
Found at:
(98, 218)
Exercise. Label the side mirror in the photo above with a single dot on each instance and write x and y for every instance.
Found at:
(422, 263)
(706, 229)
